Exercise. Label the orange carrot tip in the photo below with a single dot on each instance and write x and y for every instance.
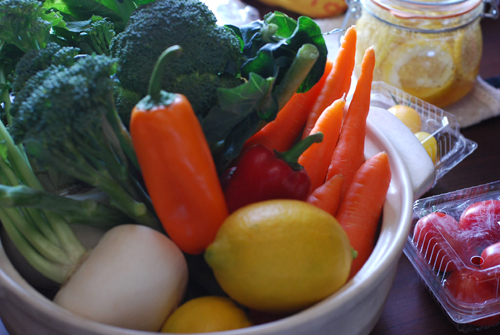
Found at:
(338, 81)
(327, 196)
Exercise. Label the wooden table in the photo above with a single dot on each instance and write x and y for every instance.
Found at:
(410, 309)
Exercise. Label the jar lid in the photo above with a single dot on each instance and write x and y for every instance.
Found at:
(422, 9)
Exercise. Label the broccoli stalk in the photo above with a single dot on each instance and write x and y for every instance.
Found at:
(21, 188)
(43, 237)
(85, 212)
(65, 117)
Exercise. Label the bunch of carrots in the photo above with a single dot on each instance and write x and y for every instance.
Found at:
(343, 183)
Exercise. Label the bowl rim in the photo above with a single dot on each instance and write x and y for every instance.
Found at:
(377, 267)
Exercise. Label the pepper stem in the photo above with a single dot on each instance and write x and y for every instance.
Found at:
(154, 87)
(292, 155)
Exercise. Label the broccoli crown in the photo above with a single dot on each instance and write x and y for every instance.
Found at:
(61, 104)
(208, 50)
(21, 24)
(37, 60)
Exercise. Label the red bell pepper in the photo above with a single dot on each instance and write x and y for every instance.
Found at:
(262, 174)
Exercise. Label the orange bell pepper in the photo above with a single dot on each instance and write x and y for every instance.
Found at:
(177, 165)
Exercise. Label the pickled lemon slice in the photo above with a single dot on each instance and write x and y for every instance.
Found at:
(372, 33)
(421, 67)
(467, 51)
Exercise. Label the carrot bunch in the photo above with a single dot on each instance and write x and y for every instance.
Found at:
(343, 183)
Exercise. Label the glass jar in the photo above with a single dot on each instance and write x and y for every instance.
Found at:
(429, 49)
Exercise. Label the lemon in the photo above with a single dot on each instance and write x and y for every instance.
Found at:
(206, 314)
(429, 143)
(423, 68)
(408, 116)
(280, 256)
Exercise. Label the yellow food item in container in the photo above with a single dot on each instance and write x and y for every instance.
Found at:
(430, 144)
(434, 56)
(408, 116)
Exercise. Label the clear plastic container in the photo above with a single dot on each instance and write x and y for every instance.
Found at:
(452, 147)
(453, 247)
(430, 49)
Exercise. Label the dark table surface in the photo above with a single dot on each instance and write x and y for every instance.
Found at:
(410, 310)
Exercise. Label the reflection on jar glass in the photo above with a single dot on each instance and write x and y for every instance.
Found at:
(431, 50)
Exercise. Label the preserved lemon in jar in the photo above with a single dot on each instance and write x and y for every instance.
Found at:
(431, 50)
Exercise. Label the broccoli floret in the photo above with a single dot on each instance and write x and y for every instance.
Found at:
(208, 50)
(97, 37)
(125, 101)
(37, 60)
(66, 119)
(21, 24)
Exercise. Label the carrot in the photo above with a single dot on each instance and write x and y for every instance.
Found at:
(349, 152)
(327, 196)
(316, 158)
(339, 80)
(360, 210)
(281, 133)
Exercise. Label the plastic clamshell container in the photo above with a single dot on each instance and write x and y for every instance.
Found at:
(452, 146)
(438, 256)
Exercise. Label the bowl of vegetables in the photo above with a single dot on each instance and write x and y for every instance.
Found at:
(354, 308)
(123, 205)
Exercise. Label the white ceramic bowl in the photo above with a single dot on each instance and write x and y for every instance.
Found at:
(354, 309)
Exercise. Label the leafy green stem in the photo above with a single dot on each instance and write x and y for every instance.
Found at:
(301, 66)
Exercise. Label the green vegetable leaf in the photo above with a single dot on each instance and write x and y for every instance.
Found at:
(92, 35)
(274, 43)
(238, 103)
(82, 10)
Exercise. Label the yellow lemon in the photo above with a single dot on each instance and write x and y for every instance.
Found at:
(429, 143)
(206, 314)
(423, 68)
(408, 116)
(280, 256)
